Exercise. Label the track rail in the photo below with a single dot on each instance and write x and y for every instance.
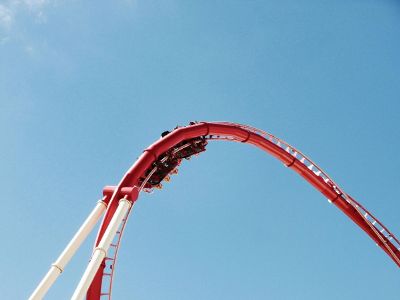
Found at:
(291, 157)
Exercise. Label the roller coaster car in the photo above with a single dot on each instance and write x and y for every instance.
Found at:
(191, 147)
(168, 162)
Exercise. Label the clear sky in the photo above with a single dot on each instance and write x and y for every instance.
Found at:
(85, 87)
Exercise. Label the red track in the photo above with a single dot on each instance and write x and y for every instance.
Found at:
(291, 157)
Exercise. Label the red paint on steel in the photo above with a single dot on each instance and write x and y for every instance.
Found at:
(288, 155)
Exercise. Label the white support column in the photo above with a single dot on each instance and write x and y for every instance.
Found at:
(58, 266)
(100, 251)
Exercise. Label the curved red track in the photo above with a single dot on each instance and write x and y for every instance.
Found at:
(291, 157)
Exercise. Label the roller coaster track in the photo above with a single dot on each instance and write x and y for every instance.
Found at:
(145, 168)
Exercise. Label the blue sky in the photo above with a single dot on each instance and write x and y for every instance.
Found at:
(84, 89)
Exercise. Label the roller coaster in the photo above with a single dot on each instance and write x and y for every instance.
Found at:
(158, 163)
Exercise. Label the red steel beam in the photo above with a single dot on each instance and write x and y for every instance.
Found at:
(247, 135)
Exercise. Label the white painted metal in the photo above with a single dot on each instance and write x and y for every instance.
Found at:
(100, 251)
(58, 266)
